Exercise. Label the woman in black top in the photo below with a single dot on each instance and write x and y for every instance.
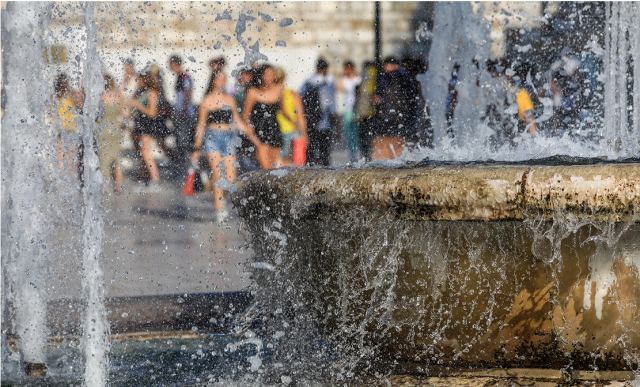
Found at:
(260, 108)
(214, 134)
(145, 115)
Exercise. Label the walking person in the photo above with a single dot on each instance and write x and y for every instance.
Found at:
(146, 122)
(319, 100)
(165, 112)
(214, 135)
(452, 98)
(293, 126)
(261, 106)
(526, 100)
(365, 109)
(395, 109)
(128, 89)
(184, 112)
(347, 85)
(246, 151)
(110, 134)
(419, 131)
(69, 141)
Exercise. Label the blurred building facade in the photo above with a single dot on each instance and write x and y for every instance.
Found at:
(290, 34)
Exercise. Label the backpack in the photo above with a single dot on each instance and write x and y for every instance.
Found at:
(312, 106)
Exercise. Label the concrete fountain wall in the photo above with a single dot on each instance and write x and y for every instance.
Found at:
(466, 266)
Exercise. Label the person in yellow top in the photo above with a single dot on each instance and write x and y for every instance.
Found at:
(66, 105)
(290, 118)
(68, 143)
(526, 110)
(66, 113)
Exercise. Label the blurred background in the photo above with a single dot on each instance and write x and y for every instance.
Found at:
(291, 35)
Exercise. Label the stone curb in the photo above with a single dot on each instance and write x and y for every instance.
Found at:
(600, 192)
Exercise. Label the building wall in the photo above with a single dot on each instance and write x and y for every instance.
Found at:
(289, 34)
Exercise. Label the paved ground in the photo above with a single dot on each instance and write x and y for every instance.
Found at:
(159, 243)
(163, 243)
(154, 242)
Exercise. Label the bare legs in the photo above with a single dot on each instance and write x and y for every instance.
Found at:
(215, 159)
(118, 177)
(387, 148)
(147, 158)
(268, 157)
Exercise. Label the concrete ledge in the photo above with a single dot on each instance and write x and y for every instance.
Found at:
(516, 376)
(473, 266)
(603, 192)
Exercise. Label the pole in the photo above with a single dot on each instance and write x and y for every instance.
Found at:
(377, 27)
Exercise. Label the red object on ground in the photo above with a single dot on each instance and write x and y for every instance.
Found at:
(189, 184)
(299, 146)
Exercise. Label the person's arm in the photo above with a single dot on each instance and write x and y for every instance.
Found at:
(303, 88)
(530, 120)
(340, 84)
(332, 96)
(202, 122)
(151, 110)
(59, 152)
(249, 103)
(187, 94)
(239, 122)
(302, 122)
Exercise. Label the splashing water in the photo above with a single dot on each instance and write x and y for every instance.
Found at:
(95, 326)
(458, 40)
(42, 198)
(461, 36)
(28, 161)
(622, 66)
(359, 291)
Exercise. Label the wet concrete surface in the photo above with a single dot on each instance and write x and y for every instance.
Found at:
(158, 242)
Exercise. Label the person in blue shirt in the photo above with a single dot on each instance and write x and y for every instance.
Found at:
(319, 100)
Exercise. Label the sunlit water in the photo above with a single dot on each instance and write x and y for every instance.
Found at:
(279, 339)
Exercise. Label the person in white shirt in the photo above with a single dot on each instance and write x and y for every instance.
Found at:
(348, 84)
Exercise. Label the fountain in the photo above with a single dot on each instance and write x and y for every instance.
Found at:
(29, 160)
(36, 187)
(442, 263)
(439, 266)
(456, 266)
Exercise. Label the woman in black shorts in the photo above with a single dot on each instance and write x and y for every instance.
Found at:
(260, 108)
(146, 122)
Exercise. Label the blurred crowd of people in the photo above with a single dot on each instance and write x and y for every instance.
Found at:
(259, 123)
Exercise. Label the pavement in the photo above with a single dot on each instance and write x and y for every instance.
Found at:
(157, 242)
